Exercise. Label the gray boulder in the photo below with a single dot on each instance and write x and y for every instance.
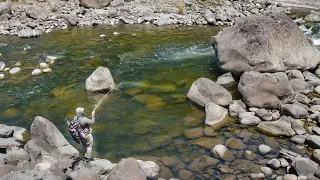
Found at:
(95, 3)
(294, 111)
(204, 90)
(302, 99)
(236, 107)
(304, 166)
(298, 139)
(117, 3)
(210, 17)
(5, 7)
(100, 80)
(313, 141)
(265, 43)
(8, 142)
(127, 169)
(15, 156)
(281, 127)
(149, 168)
(5, 131)
(47, 136)
(250, 120)
(265, 90)
(225, 80)
(298, 128)
(299, 85)
(214, 113)
(264, 114)
(316, 101)
(72, 19)
(295, 74)
(36, 12)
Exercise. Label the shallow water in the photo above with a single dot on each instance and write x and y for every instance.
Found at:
(148, 112)
(157, 61)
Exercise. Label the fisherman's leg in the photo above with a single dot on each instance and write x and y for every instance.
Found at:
(89, 143)
(84, 148)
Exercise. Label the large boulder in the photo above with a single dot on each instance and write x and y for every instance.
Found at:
(281, 127)
(127, 169)
(265, 90)
(95, 3)
(36, 12)
(204, 90)
(304, 166)
(100, 80)
(47, 136)
(266, 44)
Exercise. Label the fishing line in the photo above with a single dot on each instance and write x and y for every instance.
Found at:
(101, 100)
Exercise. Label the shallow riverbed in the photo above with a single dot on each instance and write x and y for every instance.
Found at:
(148, 114)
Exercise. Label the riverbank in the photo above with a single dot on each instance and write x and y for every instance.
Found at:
(32, 18)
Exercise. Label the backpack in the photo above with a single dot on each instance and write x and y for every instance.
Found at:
(75, 130)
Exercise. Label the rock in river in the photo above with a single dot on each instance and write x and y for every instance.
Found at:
(214, 113)
(281, 127)
(100, 80)
(204, 90)
(14, 70)
(265, 43)
(265, 90)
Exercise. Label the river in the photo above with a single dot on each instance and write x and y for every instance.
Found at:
(148, 112)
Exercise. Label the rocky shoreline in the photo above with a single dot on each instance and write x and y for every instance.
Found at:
(32, 18)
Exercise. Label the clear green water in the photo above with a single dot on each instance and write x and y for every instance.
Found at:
(158, 63)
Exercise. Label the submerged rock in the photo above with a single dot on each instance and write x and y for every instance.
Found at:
(204, 90)
(265, 90)
(202, 163)
(100, 80)
(265, 43)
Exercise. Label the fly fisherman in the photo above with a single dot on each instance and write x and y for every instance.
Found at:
(86, 136)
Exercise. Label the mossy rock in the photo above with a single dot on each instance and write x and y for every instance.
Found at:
(145, 98)
(208, 142)
(11, 112)
(309, 25)
(155, 105)
(193, 133)
(160, 141)
(234, 143)
(133, 91)
(191, 121)
(143, 127)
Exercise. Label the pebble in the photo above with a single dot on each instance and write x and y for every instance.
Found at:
(36, 72)
(1, 76)
(102, 35)
(266, 170)
(274, 163)
(264, 149)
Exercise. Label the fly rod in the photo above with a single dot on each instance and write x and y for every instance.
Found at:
(101, 100)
